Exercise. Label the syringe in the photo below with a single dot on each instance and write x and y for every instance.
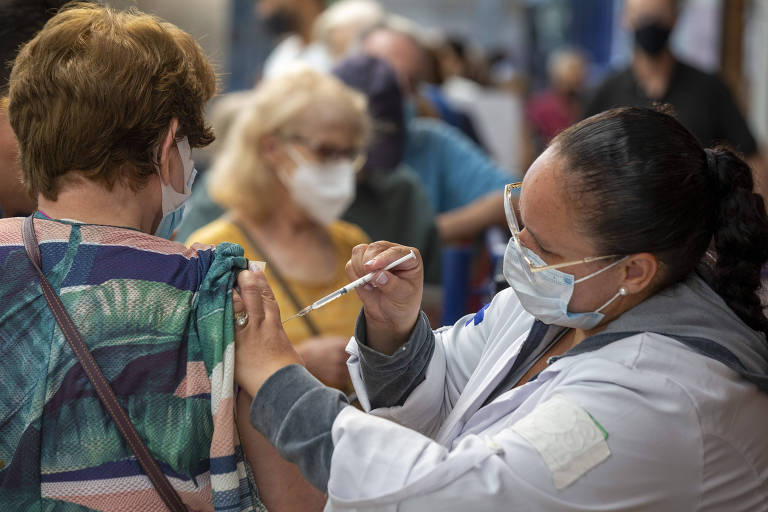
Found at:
(367, 278)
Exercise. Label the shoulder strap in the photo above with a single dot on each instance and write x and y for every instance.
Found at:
(280, 279)
(99, 382)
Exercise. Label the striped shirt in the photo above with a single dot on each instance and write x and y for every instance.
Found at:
(157, 318)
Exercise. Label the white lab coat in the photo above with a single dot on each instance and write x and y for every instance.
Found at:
(684, 432)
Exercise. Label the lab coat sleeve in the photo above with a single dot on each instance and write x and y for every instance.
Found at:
(295, 412)
(389, 379)
(456, 351)
(379, 465)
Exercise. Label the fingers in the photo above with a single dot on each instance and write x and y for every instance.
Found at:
(355, 266)
(391, 254)
(257, 297)
(367, 258)
(237, 302)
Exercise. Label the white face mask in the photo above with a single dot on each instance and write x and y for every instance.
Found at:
(546, 294)
(173, 201)
(324, 191)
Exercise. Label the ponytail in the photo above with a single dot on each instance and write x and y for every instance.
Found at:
(740, 226)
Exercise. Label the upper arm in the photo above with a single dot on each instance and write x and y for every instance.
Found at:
(213, 319)
(469, 173)
(280, 483)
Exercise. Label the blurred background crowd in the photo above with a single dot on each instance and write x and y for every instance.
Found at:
(500, 45)
(344, 121)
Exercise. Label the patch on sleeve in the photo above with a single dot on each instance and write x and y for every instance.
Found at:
(479, 316)
(566, 436)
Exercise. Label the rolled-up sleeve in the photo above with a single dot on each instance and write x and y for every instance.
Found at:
(389, 379)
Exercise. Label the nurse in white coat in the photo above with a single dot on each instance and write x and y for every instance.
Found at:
(625, 369)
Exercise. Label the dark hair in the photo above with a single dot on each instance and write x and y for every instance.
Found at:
(644, 184)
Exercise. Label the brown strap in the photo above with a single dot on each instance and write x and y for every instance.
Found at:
(280, 279)
(99, 382)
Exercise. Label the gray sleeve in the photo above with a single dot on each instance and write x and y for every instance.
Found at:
(390, 379)
(295, 412)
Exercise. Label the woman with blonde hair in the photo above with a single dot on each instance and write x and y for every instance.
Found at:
(116, 344)
(286, 173)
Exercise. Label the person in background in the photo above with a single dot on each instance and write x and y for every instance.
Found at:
(553, 110)
(432, 88)
(107, 106)
(340, 26)
(463, 58)
(285, 175)
(200, 209)
(463, 183)
(495, 107)
(293, 20)
(390, 203)
(504, 71)
(701, 101)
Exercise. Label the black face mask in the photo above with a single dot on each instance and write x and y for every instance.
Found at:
(281, 21)
(652, 37)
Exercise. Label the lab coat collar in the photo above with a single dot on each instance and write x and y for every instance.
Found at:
(695, 315)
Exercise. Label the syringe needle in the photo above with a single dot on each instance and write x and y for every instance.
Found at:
(300, 313)
(351, 286)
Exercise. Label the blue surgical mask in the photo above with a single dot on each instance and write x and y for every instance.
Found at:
(173, 201)
(546, 294)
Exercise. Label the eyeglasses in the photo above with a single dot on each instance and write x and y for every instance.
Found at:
(514, 228)
(328, 153)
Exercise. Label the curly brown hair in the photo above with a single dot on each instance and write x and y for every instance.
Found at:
(95, 91)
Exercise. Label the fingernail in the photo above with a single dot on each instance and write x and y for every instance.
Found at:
(368, 287)
(382, 279)
(370, 262)
(254, 266)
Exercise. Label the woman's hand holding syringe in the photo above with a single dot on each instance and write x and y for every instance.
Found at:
(351, 286)
(392, 299)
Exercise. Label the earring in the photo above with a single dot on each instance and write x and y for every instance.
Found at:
(623, 291)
